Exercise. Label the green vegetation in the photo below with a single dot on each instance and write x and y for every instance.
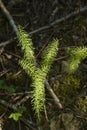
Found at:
(82, 104)
(38, 75)
(76, 56)
(16, 115)
(68, 88)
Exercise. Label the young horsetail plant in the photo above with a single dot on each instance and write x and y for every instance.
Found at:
(38, 75)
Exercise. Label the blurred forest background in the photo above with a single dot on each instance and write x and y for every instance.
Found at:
(43, 20)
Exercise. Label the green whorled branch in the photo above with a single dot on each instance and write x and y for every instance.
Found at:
(76, 56)
(26, 45)
(38, 97)
(48, 56)
(28, 67)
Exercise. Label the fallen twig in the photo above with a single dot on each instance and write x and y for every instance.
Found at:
(56, 99)
(8, 16)
(6, 42)
(4, 72)
(23, 100)
(8, 105)
(50, 25)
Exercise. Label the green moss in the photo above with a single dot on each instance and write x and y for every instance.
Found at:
(82, 104)
(69, 87)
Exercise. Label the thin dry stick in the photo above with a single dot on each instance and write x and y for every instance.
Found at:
(8, 16)
(56, 99)
(60, 20)
(23, 100)
(8, 105)
(6, 42)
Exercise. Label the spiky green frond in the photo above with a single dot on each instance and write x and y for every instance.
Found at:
(38, 97)
(76, 56)
(28, 61)
(28, 67)
(48, 56)
(26, 44)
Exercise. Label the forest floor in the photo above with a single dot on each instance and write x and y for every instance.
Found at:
(44, 21)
